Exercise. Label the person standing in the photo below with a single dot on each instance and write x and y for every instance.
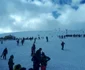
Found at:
(17, 42)
(33, 49)
(10, 62)
(62, 44)
(37, 59)
(47, 38)
(22, 41)
(44, 60)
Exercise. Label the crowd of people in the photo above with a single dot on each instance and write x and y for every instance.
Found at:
(39, 58)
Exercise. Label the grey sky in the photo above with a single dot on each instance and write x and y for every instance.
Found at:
(27, 15)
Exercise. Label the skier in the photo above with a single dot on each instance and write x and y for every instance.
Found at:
(4, 53)
(62, 44)
(33, 49)
(44, 60)
(10, 62)
(37, 59)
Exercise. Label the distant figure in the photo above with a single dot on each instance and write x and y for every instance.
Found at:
(62, 44)
(39, 37)
(44, 60)
(17, 67)
(10, 62)
(22, 41)
(46, 38)
(1, 41)
(33, 49)
(37, 59)
(4, 53)
(35, 40)
(18, 42)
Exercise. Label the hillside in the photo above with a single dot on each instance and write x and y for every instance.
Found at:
(71, 58)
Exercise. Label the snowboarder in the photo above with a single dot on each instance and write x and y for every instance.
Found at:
(33, 49)
(62, 44)
(4, 53)
(46, 38)
(44, 60)
(10, 62)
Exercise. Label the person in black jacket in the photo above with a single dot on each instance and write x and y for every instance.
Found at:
(10, 62)
(33, 49)
(18, 42)
(47, 38)
(4, 53)
(62, 44)
(44, 60)
(37, 59)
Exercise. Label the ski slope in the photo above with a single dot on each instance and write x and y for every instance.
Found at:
(71, 58)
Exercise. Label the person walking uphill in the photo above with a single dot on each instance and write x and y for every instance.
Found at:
(44, 60)
(62, 44)
(4, 53)
(10, 62)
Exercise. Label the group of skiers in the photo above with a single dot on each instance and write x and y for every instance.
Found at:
(39, 60)
(22, 41)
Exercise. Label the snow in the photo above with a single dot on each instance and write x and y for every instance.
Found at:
(71, 58)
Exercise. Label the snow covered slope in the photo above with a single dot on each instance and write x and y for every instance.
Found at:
(71, 58)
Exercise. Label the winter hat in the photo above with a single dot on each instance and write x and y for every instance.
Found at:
(30, 68)
(11, 56)
(23, 68)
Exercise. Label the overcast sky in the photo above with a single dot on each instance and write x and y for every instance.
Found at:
(29, 15)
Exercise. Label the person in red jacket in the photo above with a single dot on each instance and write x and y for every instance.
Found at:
(44, 60)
